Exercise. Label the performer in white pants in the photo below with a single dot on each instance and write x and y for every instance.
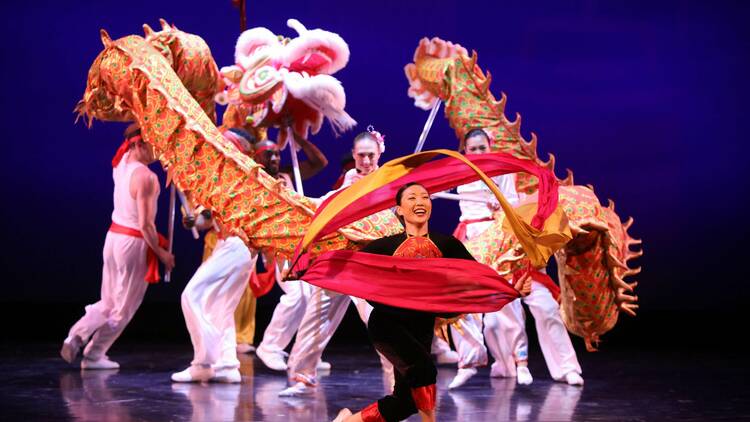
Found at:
(291, 307)
(326, 309)
(476, 217)
(131, 249)
(211, 296)
(506, 337)
(208, 304)
(504, 330)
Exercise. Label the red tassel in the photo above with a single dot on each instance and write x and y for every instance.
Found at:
(425, 397)
(372, 414)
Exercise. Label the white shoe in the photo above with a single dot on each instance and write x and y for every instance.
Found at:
(524, 375)
(463, 375)
(298, 389)
(323, 366)
(194, 373)
(227, 375)
(70, 348)
(498, 370)
(273, 360)
(245, 348)
(343, 414)
(573, 378)
(447, 358)
(102, 363)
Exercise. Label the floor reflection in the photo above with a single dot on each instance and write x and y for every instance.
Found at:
(140, 394)
(88, 397)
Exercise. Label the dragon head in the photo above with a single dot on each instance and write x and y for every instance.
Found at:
(285, 82)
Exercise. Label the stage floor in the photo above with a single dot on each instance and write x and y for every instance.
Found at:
(634, 385)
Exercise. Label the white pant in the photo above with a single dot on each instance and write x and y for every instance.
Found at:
(123, 287)
(286, 316)
(506, 334)
(323, 315)
(209, 301)
(469, 342)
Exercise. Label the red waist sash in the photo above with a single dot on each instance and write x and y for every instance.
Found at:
(152, 274)
(460, 232)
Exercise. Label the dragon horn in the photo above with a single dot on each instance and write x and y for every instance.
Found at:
(164, 24)
(106, 39)
(296, 25)
(147, 30)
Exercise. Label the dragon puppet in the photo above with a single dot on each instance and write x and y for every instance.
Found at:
(593, 264)
(167, 82)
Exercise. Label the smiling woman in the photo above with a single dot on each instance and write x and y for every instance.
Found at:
(404, 336)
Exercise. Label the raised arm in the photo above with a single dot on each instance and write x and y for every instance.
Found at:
(316, 160)
(145, 189)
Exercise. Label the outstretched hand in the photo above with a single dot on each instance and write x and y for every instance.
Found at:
(523, 283)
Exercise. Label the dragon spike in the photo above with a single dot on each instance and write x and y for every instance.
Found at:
(568, 180)
(632, 255)
(628, 223)
(515, 126)
(106, 39)
(633, 285)
(550, 164)
(500, 105)
(576, 229)
(147, 30)
(628, 308)
(620, 284)
(622, 297)
(633, 271)
(164, 24)
(485, 85)
(632, 241)
(611, 204)
(473, 59)
(616, 262)
(532, 144)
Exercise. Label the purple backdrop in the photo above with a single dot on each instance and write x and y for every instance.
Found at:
(642, 100)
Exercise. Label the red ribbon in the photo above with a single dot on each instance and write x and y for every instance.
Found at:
(421, 284)
(460, 232)
(424, 397)
(152, 274)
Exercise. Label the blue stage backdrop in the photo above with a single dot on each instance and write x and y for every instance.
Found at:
(643, 100)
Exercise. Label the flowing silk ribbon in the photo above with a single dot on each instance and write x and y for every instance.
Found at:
(376, 192)
(437, 285)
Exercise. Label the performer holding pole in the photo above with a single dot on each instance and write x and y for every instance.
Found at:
(132, 250)
(212, 295)
(291, 307)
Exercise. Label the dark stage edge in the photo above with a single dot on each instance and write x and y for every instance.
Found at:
(622, 385)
